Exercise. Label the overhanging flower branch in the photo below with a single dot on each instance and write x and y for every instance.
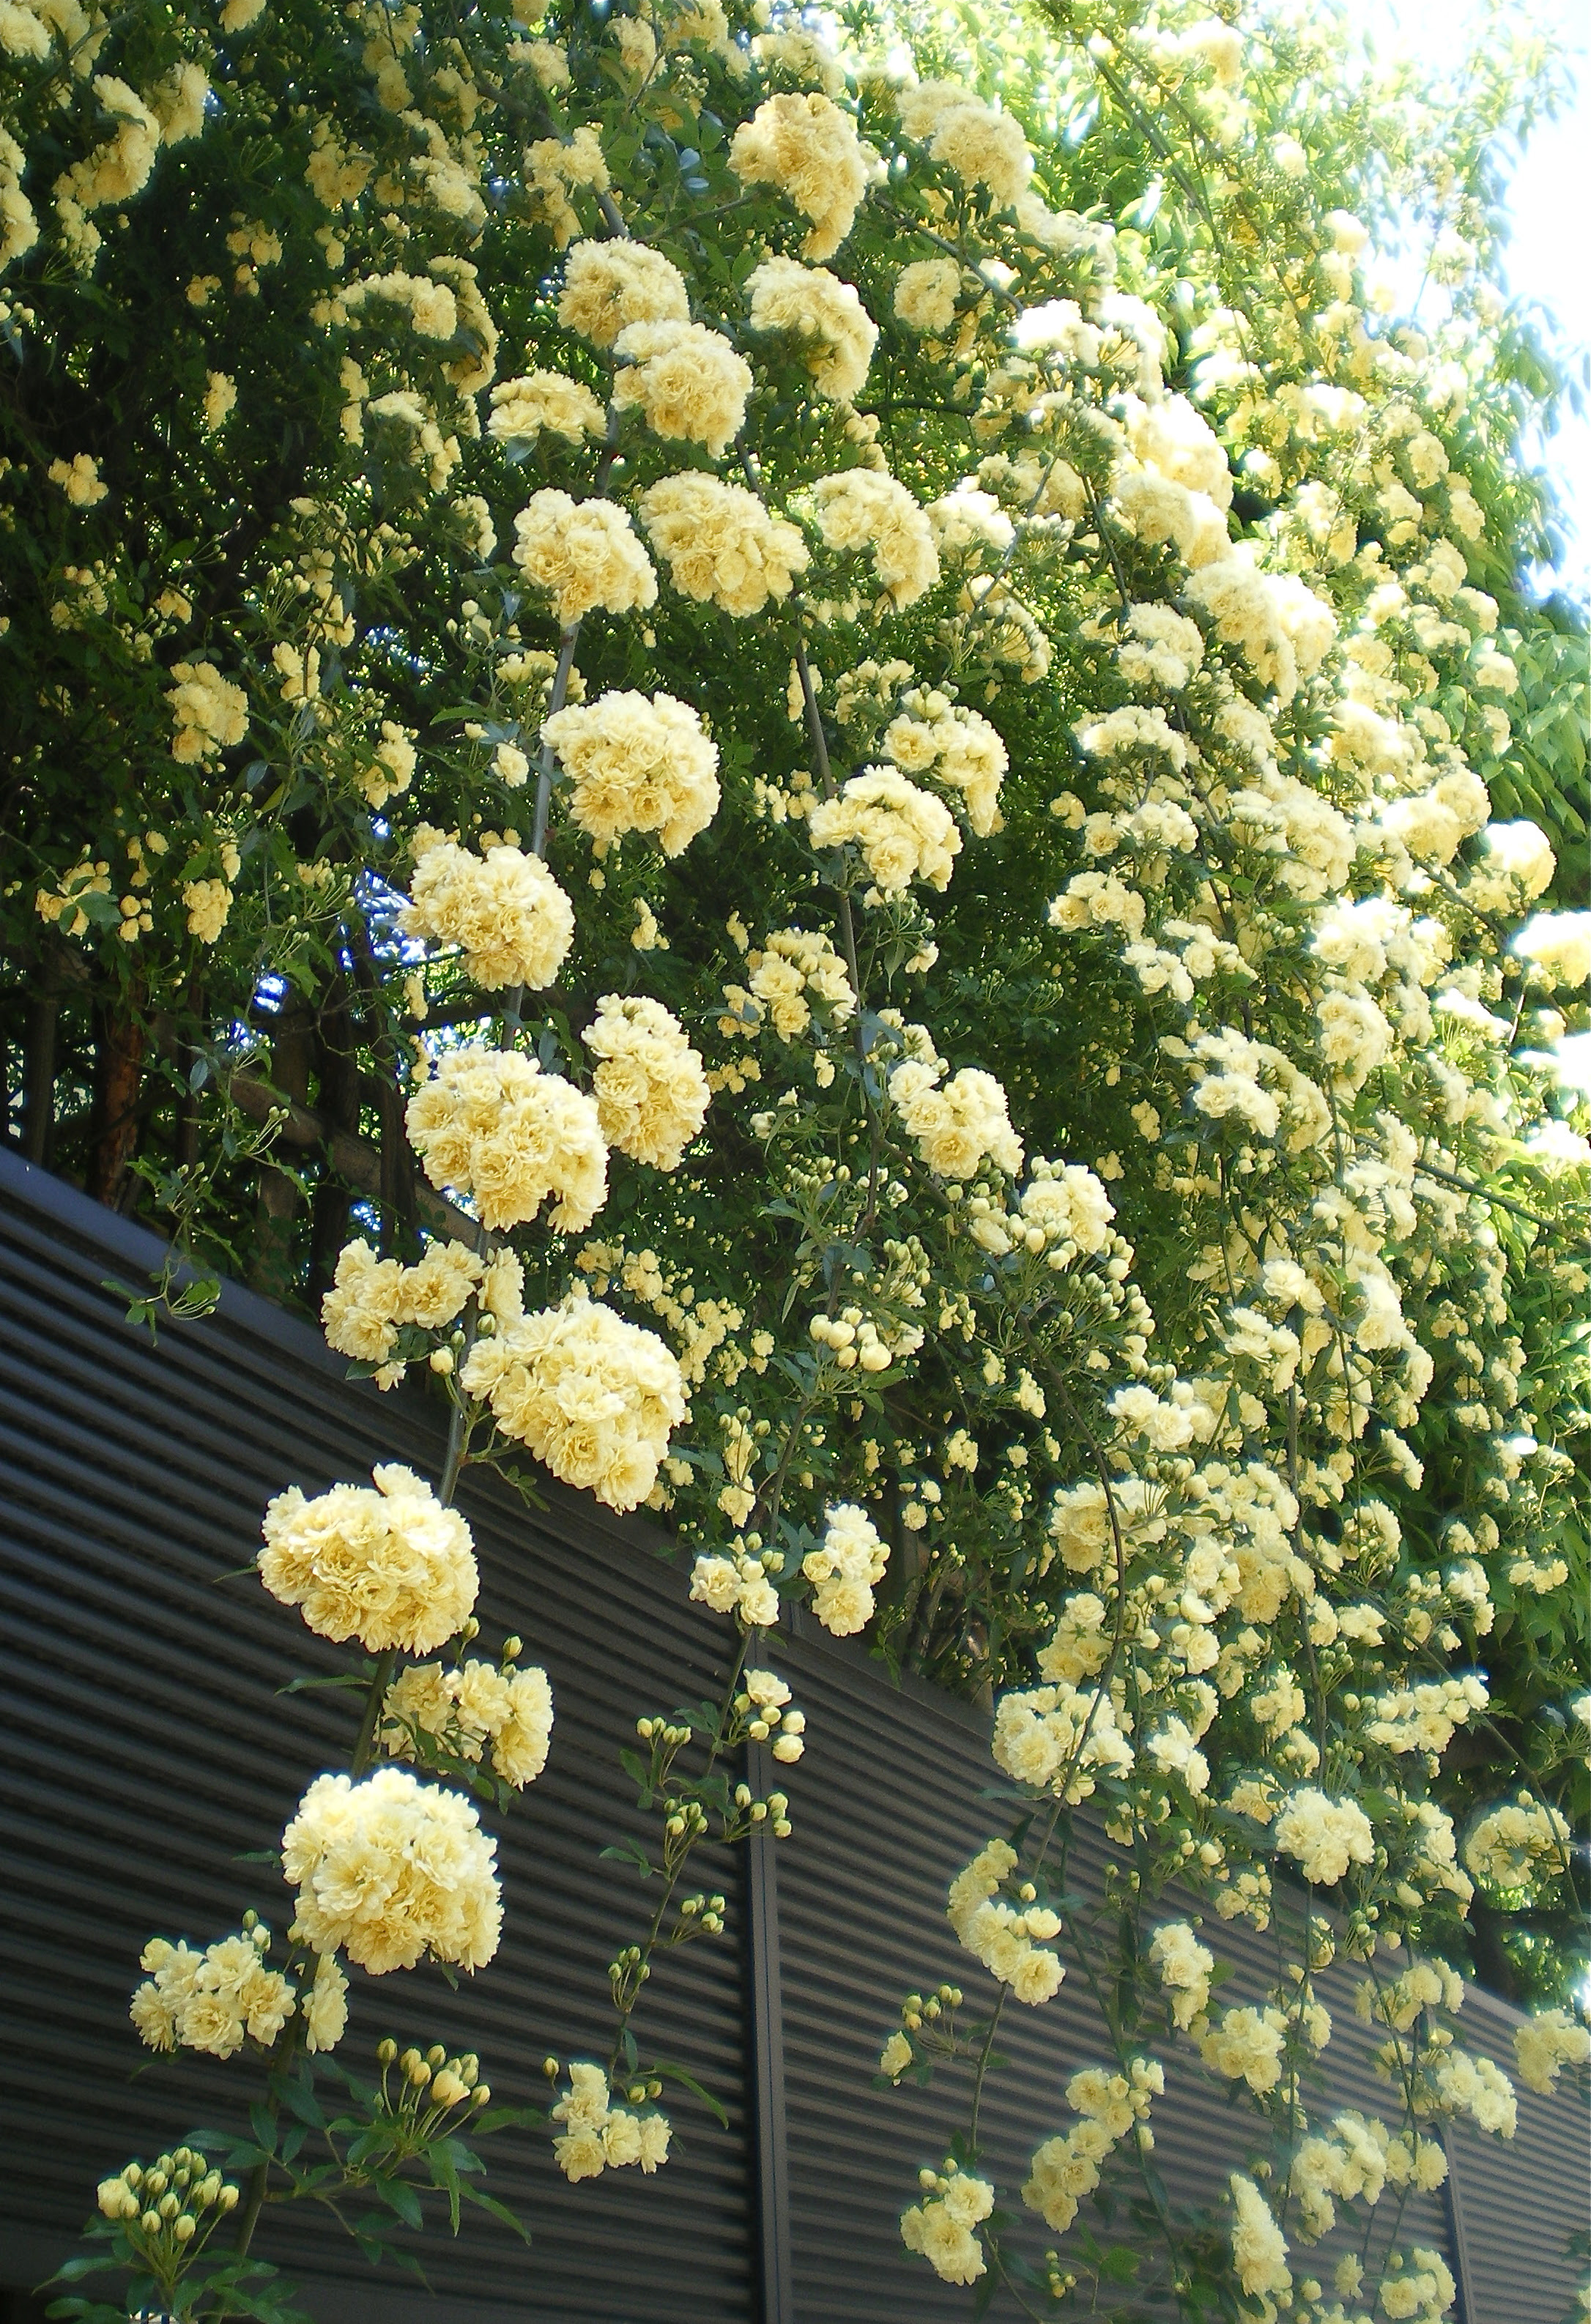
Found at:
(1156, 642)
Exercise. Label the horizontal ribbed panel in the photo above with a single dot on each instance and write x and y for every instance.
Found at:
(147, 1746)
(886, 1813)
(1519, 2203)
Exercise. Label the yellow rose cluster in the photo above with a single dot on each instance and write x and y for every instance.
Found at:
(1259, 2247)
(926, 294)
(843, 1569)
(78, 479)
(209, 712)
(1069, 1206)
(504, 911)
(862, 510)
(649, 1084)
(957, 746)
(1112, 2107)
(905, 834)
(390, 767)
(1545, 2045)
(213, 2001)
(686, 380)
(721, 546)
(941, 2227)
(1512, 1845)
(1323, 1836)
(958, 1124)
(491, 1124)
(556, 170)
(795, 967)
(1281, 629)
(477, 1710)
(984, 146)
(737, 1585)
(636, 763)
(372, 1298)
(597, 2135)
(594, 1396)
(1060, 1737)
(809, 149)
(543, 402)
(824, 315)
(1245, 2045)
(208, 904)
(609, 285)
(1008, 1938)
(391, 1871)
(1184, 1967)
(584, 553)
(1559, 945)
(390, 1567)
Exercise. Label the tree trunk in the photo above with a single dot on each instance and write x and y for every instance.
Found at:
(399, 1234)
(39, 1051)
(188, 1108)
(337, 1060)
(1492, 1966)
(273, 1268)
(400, 1238)
(118, 1081)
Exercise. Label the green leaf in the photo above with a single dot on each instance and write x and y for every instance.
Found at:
(501, 2118)
(444, 2172)
(484, 2202)
(400, 2199)
(298, 2093)
(630, 1851)
(666, 2071)
(82, 2263)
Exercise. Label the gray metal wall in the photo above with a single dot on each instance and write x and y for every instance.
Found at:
(888, 1812)
(146, 1747)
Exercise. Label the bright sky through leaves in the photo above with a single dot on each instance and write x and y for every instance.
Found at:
(1547, 203)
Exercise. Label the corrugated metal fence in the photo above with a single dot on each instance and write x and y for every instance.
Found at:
(147, 1748)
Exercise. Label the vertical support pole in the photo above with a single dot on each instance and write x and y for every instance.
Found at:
(1457, 2240)
(775, 2289)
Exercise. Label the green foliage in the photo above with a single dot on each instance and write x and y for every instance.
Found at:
(1130, 1265)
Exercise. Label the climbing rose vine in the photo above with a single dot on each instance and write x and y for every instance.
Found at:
(868, 700)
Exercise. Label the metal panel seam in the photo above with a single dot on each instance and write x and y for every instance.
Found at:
(775, 2273)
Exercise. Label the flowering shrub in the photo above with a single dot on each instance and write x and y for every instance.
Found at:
(891, 728)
